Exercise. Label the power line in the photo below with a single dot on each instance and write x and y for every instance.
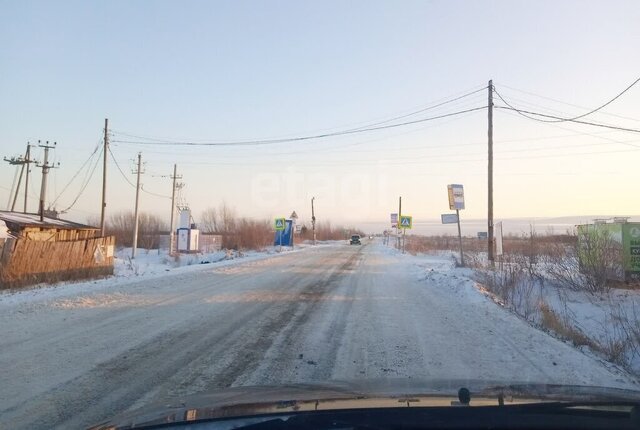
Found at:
(593, 110)
(75, 175)
(119, 169)
(594, 135)
(565, 103)
(527, 114)
(129, 182)
(302, 138)
(86, 183)
(369, 123)
(154, 194)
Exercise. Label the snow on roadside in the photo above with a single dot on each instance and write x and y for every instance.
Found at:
(148, 264)
(597, 316)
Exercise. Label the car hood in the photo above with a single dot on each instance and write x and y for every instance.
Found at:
(246, 401)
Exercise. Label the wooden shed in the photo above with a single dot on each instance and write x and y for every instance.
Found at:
(51, 250)
(29, 226)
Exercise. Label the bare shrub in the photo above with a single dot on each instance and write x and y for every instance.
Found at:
(587, 266)
(220, 220)
(327, 231)
(150, 228)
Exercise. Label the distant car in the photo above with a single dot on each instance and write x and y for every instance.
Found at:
(355, 239)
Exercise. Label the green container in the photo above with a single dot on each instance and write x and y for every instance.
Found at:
(617, 244)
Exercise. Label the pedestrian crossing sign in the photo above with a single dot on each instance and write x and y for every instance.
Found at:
(280, 224)
(406, 221)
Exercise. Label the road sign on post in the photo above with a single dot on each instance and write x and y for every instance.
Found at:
(456, 196)
(279, 224)
(449, 218)
(406, 221)
(394, 220)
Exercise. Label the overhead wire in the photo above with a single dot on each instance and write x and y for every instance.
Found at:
(598, 108)
(131, 183)
(86, 183)
(437, 103)
(304, 138)
(76, 175)
(502, 85)
(528, 114)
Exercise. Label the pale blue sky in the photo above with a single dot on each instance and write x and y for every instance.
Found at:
(205, 70)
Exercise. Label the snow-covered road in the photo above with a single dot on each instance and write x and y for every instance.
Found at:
(328, 313)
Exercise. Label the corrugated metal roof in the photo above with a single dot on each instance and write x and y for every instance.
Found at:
(33, 220)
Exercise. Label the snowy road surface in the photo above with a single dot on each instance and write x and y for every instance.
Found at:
(333, 312)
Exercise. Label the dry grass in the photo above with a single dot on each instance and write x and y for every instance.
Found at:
(551, 321)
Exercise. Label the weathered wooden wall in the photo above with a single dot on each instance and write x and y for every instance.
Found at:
(60, 234)
(27, 262)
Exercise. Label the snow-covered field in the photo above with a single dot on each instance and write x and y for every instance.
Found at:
(77, 354)
(606, 323)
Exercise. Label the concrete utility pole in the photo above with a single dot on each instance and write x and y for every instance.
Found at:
(26, 178)
(490, 177)
(23, 162)
(104, 175)
(45, 171)
(172, 233)
(135, 221)
(313, 220)
(398, 223)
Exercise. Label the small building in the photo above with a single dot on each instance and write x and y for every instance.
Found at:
(612, 245)
(51, 250)
(29, 226)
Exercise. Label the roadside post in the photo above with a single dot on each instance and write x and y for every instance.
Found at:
(456, 202)
(499, 249)
(279, 225)
(394, 224)
(294, 226)
(406, 222)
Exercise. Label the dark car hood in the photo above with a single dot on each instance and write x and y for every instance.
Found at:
(245, 401)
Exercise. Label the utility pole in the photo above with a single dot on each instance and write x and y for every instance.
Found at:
(19, 161)
(104, 175)
(172, 233)
(135, 221)
(45, 171)
(490, 177)
(398, 223)
(313, 220)
(15, 196)
(26, 179)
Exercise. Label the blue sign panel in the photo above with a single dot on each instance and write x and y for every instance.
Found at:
(284, 237)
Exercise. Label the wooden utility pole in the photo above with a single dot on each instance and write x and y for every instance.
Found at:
(45, 171)
(490, 177)
(172, 233)
(135, 216)
(104, 176)
(313, 220)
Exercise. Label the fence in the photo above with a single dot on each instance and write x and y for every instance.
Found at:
(27, 262)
